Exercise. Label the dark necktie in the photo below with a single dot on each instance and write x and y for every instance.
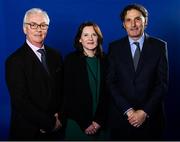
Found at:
(43, 58)
(136, 55)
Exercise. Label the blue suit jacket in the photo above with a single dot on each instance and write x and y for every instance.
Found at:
(144, 88)
(35, 95)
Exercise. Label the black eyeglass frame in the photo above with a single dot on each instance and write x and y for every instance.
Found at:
(35, 26)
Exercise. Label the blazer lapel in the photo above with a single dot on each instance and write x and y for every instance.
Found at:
(31, 54)
(49, 60)
(127, 55)
(143, 55)
(33, 57)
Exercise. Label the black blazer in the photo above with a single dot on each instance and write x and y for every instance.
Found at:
(77, 93)
(35, 95)
(144, 88)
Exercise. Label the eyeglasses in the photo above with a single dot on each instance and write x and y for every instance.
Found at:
(35, 26)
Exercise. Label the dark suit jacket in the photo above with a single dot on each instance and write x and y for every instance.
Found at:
(77, 93)
(144, 88)
(35, 95)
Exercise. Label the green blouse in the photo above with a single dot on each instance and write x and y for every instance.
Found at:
(93, 68)
(73, 131)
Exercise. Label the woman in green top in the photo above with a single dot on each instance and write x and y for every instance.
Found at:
(85, 95)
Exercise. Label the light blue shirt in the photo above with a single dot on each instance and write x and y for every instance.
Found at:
(35, 49)
(133, 46)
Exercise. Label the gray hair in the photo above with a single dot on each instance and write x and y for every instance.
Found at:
(35, 10)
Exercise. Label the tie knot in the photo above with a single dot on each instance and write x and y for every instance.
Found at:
(42, 51)
(137, 44)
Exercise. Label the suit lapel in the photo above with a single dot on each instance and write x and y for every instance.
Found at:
(48, 59)
(127, 55)
(144, 54)
(32, 56)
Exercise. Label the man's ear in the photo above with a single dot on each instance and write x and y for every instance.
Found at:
(24, 30)
(123, 25)
(146, 21)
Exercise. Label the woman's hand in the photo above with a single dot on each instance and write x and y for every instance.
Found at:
(93, 128)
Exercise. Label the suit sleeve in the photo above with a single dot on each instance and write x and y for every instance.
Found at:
(161, 83)
(20, 100)
(112, 81)
(59, 82)
(67, 85)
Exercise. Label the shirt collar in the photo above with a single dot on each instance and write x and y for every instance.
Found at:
(34, 48)
(140, 40)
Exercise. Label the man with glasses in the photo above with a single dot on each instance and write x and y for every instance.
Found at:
(34, 77)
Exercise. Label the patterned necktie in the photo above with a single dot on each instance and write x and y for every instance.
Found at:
(136, 55)
(43, 58)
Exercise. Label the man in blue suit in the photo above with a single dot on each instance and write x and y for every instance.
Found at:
(137, 80)
(34, 80)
